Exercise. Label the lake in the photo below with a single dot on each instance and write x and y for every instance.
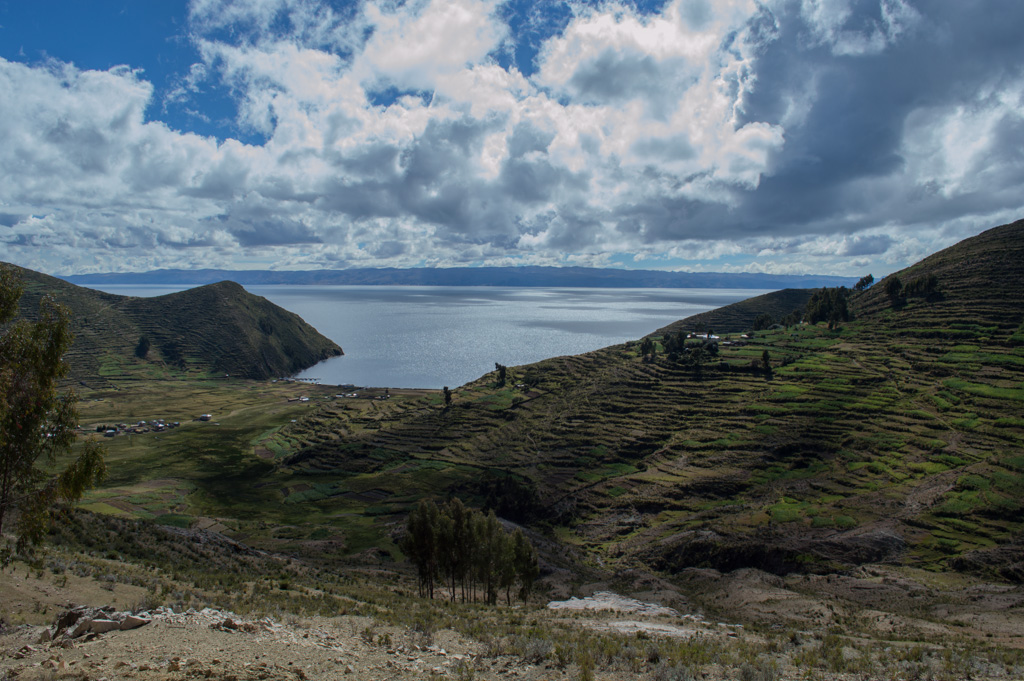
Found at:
(432, 336)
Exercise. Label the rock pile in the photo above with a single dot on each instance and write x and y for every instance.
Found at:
(82, 620)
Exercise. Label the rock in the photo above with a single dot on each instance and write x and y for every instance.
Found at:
(349, 669)
(134, 622)
(80, 629)
(103, 626)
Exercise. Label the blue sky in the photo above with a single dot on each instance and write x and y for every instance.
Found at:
(788, 136)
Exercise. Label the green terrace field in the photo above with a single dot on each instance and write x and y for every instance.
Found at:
(221, 474)
(896, 436)
(633, 455)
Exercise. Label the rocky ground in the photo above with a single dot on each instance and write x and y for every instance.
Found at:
(897, 627)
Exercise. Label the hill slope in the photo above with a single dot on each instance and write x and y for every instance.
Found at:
(740, 316)
(898, 436)
(218, 328)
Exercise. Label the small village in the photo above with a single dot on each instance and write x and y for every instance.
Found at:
(139, 428)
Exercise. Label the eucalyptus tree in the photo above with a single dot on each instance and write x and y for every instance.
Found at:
(37, 420)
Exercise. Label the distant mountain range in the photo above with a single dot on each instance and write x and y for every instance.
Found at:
(581, 277)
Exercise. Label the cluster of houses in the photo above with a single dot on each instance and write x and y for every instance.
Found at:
(154, 426)
(717, 339)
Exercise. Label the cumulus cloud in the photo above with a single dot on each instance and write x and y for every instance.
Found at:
(789, 135)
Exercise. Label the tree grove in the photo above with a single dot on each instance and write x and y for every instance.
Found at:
(469, 553)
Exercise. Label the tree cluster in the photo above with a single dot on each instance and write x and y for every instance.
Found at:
(923, 286)
(648, 348)
(763, 321)
(864, 282)
(828, 305)
(502, 373)
(37, 421)
(469, 553)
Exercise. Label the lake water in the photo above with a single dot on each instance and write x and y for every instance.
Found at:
(432, 336)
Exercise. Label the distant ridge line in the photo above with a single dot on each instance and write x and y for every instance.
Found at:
(526, 277)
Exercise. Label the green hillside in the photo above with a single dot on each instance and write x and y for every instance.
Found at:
(740, 316)
(897, 436)
(213, 329)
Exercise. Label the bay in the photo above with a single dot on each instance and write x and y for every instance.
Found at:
(434, 336)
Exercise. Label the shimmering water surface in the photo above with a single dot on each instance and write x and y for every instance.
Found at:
(432, 336)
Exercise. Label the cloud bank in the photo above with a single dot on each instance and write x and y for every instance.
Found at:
(780, 136)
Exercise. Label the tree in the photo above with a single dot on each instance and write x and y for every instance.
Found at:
(763, 321)
(793, 318)
(923, 286)
(142, 349)
(527, 566)
(502, 373)
(864, 282)
(893, 287)
(447, 396)
(421, 544)
(766, 363)
(465, 547)
(828, 304)
(37, 421)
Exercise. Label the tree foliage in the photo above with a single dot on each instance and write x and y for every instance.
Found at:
(469, 552)
(864, 282)
(793, 318)
(647, 348)
(37, 420)
(142, 349)
(923, 286)
(763, 321)
(828, 305)
(893, 287)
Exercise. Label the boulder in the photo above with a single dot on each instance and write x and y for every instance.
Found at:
(100, 626)
(134, 622)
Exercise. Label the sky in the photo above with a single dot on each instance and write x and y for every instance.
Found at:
(779, 136)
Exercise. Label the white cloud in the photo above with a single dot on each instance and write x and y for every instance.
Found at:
(393, 135)
(415, 45)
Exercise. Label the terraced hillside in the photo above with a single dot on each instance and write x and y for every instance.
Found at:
(739, 317)
(219, 328)
(897, 436)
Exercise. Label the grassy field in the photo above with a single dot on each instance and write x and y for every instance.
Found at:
(224, 473)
